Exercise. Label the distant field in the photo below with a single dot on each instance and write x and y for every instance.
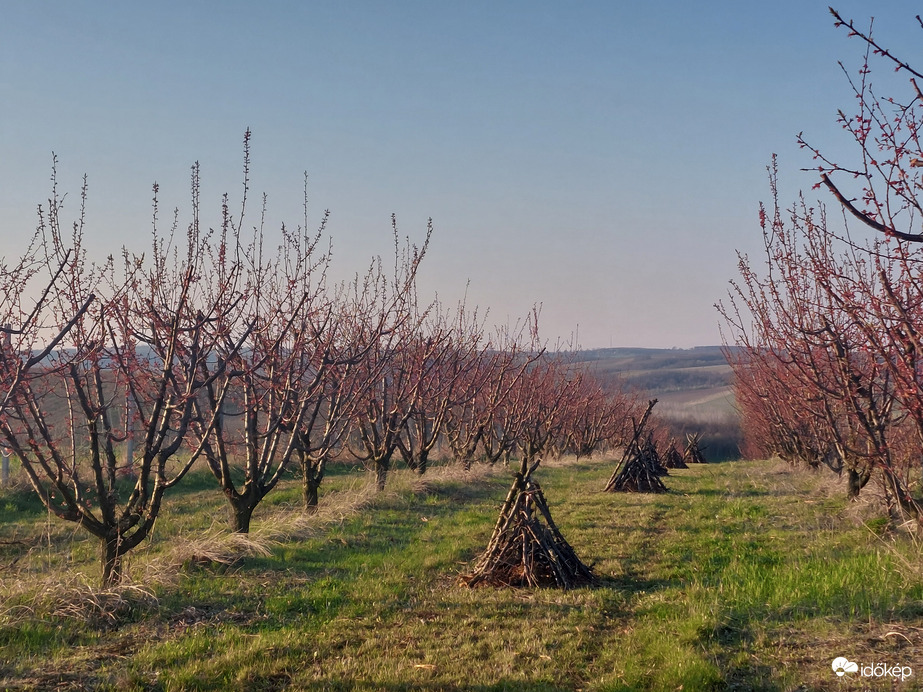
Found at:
(702, 403)
(664, 372)
(692, 386)
(621, 359)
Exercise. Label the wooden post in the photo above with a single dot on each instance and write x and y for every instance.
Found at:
(4, 467)
(4, 452)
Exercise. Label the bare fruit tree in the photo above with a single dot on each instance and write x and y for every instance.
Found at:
(271, 333)
(446, 373)
(360, 319)
(821, 362)
(395, 367)
(143, 337)
(474, 421)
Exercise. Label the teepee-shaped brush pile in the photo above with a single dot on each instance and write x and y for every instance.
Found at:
(694, 452)
(639, 469)
(652, 457)
(673, 459)
(526, 548)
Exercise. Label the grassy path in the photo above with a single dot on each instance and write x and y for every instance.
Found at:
(745, 576)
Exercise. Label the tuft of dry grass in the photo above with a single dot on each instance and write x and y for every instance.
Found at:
(76, 599)
(217, 548)
(101, 608)
(287, 523)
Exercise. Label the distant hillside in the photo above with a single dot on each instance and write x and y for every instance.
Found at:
(662, 371)
(693, 387)
(621, 359)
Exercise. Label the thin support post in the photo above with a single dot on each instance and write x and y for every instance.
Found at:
(4, 452)
(4, 467)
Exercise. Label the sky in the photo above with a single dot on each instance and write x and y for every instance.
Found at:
(603, 159)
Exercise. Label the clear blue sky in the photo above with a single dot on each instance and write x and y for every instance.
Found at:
(602, 158)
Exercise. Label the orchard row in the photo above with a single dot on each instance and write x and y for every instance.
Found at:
(217, 347)
(829, 336)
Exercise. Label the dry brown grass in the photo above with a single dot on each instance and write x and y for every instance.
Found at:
(215, 549)
(32, 587)
(73, 598)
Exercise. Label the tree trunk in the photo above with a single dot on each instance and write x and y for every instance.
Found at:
(422, 462)
(241, 512)
(112, 562)
(381, 472)
(5, 468)
(905, 502)
(310, 487)
(312, 473)
(855, 481)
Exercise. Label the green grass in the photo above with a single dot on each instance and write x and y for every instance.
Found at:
(745, 576)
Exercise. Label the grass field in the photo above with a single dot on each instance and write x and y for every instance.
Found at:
(746, 576)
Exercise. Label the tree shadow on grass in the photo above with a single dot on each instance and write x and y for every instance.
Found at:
(728, 638)
(631, 582)
(19, 503)
(726, 493)
(436, 685)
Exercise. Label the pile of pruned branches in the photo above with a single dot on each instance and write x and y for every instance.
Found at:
(652, 457)
(694, 452)
(673, 459)
(640, 468)
(527, 549)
